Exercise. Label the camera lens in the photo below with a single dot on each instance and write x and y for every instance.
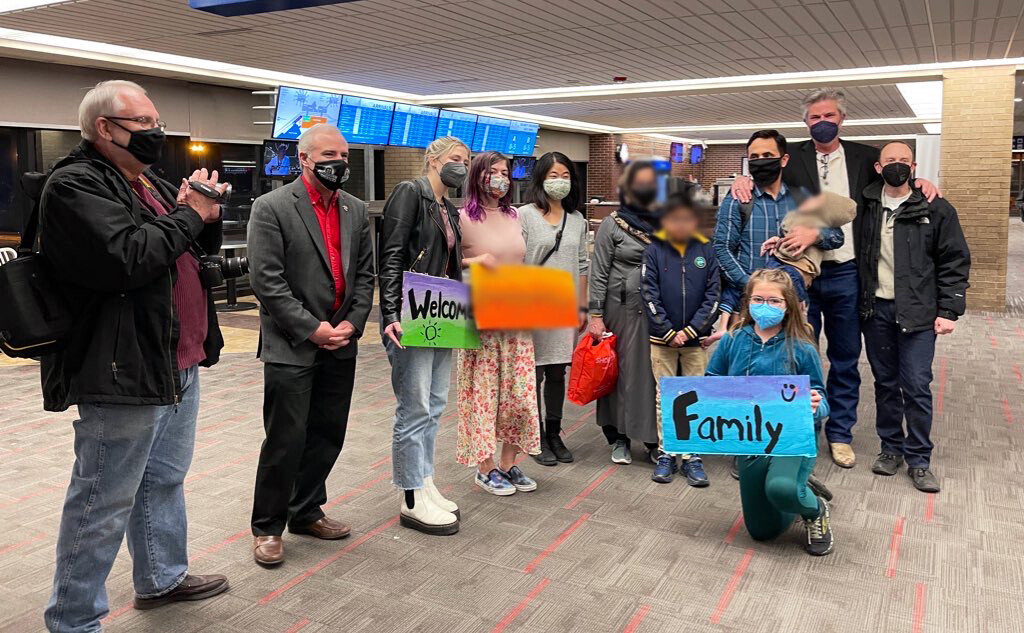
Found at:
(235, 267)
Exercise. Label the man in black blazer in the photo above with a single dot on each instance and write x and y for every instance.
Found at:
(312, 270)
(827, 163)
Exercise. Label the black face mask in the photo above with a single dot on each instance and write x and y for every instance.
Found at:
(331, 173)
(765, 171)
(896, 174)
(644, 196)
(145, 145)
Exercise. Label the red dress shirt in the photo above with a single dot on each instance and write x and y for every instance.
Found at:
(329, 218)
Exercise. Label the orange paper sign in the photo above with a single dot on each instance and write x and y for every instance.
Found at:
(522, 298)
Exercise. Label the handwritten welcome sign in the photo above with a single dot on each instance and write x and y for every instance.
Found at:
(737, 415)
(436, 313)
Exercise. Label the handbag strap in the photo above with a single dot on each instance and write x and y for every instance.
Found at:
(558, 239)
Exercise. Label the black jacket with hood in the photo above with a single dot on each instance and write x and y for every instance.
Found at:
(115, 262)
(931, 259)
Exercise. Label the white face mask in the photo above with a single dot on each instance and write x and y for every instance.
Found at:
(557, 188)
(500, 184)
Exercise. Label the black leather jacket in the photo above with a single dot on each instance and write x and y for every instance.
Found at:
(412, 238)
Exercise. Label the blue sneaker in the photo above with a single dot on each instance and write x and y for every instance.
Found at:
(520, 480)
(495, 483)
(693, 468)
(665, 468)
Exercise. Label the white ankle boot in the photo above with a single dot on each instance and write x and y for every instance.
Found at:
(435, 497)
(426, 517)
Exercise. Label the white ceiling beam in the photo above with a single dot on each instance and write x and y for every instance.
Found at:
(668, 129)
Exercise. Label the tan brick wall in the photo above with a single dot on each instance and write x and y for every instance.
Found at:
(977, 125)
(401, 163)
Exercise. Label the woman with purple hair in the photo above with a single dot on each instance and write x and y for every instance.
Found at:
(496, 384)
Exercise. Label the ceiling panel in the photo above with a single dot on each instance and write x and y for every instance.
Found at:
(801, 132)
(445, 46)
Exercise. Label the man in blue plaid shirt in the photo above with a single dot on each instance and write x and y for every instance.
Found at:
(738, 238)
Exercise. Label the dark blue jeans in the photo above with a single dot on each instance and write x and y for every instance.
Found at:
(833, 295)
(902, 365)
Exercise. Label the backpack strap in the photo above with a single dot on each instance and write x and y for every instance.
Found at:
(32, 184)
(746, 210)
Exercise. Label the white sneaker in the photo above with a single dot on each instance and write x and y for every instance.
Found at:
(435, 497)
(426, 517)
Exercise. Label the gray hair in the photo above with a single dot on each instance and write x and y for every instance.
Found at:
(102, 100)
(826, 94)
(309, 136)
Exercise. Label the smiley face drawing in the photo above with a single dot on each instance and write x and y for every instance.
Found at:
(792, 395)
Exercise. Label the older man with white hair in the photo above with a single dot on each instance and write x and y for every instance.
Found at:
(123, 244)
(312, 270)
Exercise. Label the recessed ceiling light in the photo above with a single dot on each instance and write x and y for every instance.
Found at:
(1018, 100)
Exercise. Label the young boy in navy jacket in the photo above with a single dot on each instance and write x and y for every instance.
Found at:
(681, 288)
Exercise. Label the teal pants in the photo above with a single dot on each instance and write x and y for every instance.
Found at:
(773, 492)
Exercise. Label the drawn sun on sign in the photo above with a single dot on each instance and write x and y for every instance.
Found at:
(431, 333)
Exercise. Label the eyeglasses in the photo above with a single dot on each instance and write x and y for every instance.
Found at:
(775, 302)
(146, 122)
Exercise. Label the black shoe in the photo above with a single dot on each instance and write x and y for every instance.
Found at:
(546, 457)
(818, 488)
(734, 469)
(819, 532)
(561, 451)
(887, 464)
(924, 480)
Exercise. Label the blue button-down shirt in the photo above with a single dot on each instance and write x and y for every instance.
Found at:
(738, 243)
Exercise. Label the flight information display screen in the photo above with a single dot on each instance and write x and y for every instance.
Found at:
(366, 121)
(413, 126)
(299, 109)
(458, 124)
(491, 135)
(522, 136)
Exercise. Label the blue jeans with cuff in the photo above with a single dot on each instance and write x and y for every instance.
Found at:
(129, 474)
(420, 377)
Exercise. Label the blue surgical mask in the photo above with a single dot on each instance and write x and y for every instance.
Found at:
(766, 316)
(824, 131)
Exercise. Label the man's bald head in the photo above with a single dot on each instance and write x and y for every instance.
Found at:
(322, 135)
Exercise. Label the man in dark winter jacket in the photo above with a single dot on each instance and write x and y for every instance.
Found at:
(914, 264)
(123, 245)
(681, 289)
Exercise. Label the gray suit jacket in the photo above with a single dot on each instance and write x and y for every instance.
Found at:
(291, 275)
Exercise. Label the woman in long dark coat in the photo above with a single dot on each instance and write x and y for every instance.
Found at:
(616, 306)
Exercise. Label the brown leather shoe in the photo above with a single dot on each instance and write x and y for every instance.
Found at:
(325, 528)
(268, 550)
(843, 455)
(192, 588)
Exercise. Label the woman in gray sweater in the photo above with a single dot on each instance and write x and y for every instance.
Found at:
(556, 237)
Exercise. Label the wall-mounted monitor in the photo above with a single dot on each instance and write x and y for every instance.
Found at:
(299, 109)
(522, 167)
(413, 126)
(458, 124)
(280, 159)
(522, 136)
(491, 135)
(677, 152)
(696, 154)
(366, 121)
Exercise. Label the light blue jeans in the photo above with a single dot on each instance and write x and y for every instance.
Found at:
(420, 377)
(130, 466)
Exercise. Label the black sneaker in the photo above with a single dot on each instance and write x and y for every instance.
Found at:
(734, 469)
(561, 451)
(819, 532)
(547, 456)
(887, 464)
(924, 480)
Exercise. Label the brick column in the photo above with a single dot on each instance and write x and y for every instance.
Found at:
(977, 126)
(401, 163)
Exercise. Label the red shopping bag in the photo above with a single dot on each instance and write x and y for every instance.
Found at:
(595, 368)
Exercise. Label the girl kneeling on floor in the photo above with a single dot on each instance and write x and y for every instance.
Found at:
(772, 338)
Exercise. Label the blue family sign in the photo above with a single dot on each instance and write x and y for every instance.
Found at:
(737, 415)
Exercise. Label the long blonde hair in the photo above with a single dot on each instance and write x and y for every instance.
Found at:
(440, 148)
(794, 324)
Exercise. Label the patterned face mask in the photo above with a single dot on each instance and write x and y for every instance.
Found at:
(499, 184)
(557, 188)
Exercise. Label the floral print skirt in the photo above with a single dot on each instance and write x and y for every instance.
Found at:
(497, 394)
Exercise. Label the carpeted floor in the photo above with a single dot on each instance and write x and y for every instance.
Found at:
(596, 548)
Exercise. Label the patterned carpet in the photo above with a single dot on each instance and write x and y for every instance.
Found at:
(597, 548)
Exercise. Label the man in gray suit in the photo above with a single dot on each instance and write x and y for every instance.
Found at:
(312, 270)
